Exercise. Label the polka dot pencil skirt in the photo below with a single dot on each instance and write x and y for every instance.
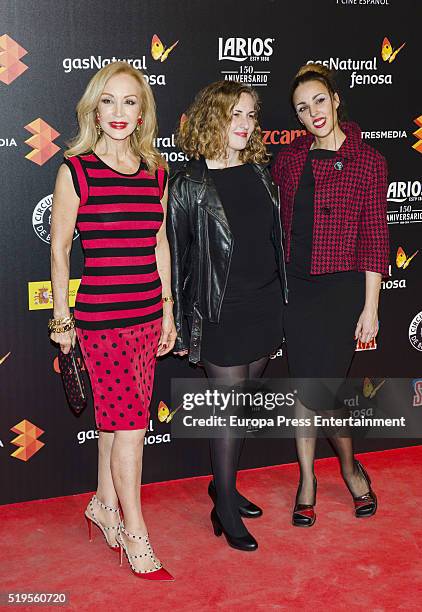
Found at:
(121, 366)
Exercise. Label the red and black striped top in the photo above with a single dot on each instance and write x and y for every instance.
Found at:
(118, 220)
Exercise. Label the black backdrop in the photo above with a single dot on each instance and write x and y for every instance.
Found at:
(48, 51)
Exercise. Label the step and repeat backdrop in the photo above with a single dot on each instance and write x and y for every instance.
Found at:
(49, 49)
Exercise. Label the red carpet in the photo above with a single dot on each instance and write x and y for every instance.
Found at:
(342, 563)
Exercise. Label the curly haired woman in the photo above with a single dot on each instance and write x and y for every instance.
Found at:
(228, 271)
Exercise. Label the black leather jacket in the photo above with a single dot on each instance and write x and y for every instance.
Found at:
(201, 247)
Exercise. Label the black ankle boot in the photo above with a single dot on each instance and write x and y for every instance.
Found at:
(246, 542)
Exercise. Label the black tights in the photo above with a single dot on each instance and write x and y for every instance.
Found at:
(225, 451)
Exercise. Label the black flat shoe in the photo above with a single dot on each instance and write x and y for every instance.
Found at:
(246, 542)
(246, 509)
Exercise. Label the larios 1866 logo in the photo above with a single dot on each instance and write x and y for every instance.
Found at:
(241, 49)
(245, 51)
(407, 202)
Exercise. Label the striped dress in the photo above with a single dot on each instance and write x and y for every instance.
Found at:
(118, 308)
(118, 220)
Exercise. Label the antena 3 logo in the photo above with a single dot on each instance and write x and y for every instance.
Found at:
(10, 55)
(241, 49)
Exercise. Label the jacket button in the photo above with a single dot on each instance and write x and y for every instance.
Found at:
(326, 210)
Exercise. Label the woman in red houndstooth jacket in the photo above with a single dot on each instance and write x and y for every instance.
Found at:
(333, 204)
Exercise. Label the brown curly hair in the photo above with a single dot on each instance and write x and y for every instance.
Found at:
(201, 132)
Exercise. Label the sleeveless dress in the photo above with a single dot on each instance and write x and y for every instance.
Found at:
(118, 309)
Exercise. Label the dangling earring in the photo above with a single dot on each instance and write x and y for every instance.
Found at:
(98, 127)
(139, 123)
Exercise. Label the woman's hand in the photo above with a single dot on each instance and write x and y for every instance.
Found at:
(367, 325)
(168, 335)
(65, 339)
(181, 353)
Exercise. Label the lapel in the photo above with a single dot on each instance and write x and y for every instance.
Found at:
(296, 161)
(197, 171)
(324, 169)
(260, 171)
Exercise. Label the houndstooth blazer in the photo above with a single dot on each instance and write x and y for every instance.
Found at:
(350, 207)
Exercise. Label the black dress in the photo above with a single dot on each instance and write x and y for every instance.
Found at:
(250, 324)
(323, 310)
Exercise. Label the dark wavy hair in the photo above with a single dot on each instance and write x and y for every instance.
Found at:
(318, 72)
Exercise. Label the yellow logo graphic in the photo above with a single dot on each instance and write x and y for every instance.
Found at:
(402, 260)
(370, 389)
(40, 295)
(418, 145)
(158, 50)
(164, 414)
(26, 440)
(387, 53)
(10, 54)
(3, 359)
(41, 141)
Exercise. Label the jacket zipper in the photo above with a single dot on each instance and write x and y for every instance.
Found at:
(225, 282)
(207, 251)
(282, 246)
(198, 288)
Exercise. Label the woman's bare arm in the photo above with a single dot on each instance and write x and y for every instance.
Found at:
(63, 221)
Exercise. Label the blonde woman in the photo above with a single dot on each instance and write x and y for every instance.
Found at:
(227, 267)
(112, 186)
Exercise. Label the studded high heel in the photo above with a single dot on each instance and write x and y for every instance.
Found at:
(158, 573)
(91, 518)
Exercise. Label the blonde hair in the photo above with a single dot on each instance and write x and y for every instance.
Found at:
(141, 141)
(203, 133)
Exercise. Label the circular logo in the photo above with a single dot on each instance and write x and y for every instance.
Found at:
(415, 332)
(41, 219)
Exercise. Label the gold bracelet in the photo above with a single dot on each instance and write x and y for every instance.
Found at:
(168, 298)
(63, 328)
(61, 325)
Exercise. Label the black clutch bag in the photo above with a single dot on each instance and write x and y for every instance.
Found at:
(72, 380)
